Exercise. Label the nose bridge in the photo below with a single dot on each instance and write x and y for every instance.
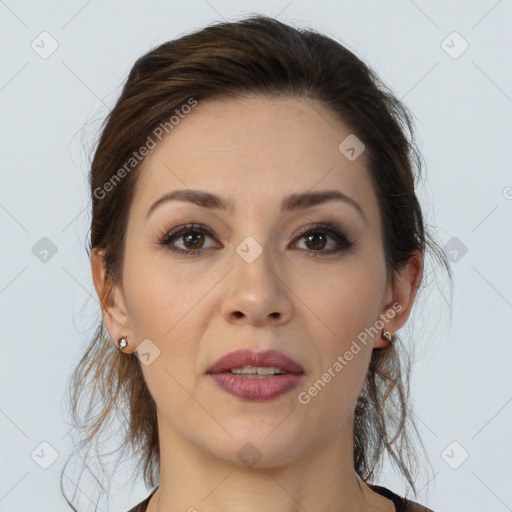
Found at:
(253, 262)
(256, 291)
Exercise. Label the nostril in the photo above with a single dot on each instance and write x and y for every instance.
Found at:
(238, 314)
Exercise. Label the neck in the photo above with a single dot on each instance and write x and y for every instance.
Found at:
(323, 480)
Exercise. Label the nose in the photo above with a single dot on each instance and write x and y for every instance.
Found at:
(256, 292)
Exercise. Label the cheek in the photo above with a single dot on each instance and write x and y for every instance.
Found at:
(347, 305)
(347, 301)
(161, 298)
(172, 308)
(330, 392)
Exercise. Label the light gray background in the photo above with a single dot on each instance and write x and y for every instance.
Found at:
(51, 109)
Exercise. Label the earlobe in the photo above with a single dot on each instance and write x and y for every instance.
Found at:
(109, 294)
(401, 296)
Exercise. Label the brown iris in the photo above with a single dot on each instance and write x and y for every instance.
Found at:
(316, 238)
(195, 237)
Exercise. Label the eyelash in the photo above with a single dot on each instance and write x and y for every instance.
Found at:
(167, 237)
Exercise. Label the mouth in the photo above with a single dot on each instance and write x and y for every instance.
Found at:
(248, 362)
(257, 372)
(256, 376)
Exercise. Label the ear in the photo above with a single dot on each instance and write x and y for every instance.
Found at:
(112, 301)
(400, 296)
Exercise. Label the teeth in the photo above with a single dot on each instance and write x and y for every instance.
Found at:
(257, 370)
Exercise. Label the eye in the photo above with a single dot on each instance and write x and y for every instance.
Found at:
(316, 239)
(192, 236)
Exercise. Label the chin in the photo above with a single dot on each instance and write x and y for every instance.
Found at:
(258, 444)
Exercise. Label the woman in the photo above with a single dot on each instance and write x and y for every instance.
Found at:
(256, 242)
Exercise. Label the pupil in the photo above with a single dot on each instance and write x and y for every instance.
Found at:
(193, 239)
(315, 238)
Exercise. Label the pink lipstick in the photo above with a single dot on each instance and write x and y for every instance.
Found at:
(256, 376)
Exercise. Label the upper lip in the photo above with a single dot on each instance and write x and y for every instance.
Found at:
(246, 357)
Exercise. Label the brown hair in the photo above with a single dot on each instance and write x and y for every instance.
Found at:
(256, 55)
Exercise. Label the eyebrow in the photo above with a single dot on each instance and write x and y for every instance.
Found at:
(290, 203)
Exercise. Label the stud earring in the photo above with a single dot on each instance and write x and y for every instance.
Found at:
(389, 336)
(122, 343)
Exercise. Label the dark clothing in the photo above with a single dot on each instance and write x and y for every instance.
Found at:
(401, 504)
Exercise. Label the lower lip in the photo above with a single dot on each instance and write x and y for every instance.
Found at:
(258, 390)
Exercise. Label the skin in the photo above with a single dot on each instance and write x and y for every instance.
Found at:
(254, 152)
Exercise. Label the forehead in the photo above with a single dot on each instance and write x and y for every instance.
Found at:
(253, 152)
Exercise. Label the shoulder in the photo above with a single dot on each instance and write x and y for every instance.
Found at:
(401, 504)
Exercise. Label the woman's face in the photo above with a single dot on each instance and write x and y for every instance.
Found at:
(258, 275)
